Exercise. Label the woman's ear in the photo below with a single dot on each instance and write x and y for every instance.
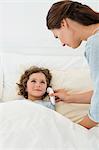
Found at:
(64, 23)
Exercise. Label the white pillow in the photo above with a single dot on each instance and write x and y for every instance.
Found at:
(13, 68)
(72, 80)
(1, 80)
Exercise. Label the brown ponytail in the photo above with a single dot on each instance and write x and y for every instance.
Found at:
(73, 10)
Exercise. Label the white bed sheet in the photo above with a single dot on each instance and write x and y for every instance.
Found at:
(29, 126)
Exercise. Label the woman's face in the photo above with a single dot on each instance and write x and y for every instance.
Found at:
(67, 35)
(36, 86)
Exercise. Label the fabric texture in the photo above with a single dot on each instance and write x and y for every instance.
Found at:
(73, 111)
(44, 103)
(25, 125)
(92, 55)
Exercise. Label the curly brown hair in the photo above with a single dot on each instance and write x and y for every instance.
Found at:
(22, 85)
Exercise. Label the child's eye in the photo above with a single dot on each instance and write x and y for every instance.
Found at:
(43, 82)
(33, 81)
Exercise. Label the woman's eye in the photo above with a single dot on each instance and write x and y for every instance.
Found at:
(56, 37)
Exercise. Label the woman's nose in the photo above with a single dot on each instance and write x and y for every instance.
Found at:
(63, 44)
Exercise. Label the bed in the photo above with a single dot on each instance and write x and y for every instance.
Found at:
(30, 126)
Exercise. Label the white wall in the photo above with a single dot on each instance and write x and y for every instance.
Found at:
(23, 28)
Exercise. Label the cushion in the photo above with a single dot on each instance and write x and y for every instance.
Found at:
(61, 79)
(73, 111)
(67, 79)
(14, 68)
(74, 80)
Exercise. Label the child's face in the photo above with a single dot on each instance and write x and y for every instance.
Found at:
(36, 86)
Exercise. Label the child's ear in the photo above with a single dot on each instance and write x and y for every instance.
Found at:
(26, 89)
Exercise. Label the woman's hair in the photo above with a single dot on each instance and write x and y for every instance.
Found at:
(25, 77)
(73, 10)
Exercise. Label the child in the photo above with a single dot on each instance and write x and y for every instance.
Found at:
(33, 85)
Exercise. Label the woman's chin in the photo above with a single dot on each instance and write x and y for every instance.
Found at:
(76, 46)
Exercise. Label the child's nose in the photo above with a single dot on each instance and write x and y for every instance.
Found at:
(38, 84)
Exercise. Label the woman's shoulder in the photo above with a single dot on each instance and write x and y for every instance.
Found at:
(94, 39)
(92, 43)
(92, 46)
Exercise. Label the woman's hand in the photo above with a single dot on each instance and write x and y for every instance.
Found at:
(87, 122)
(64, 95)
(61, 95)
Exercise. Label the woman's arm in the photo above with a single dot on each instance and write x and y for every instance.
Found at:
(84, 97)
(65, 96)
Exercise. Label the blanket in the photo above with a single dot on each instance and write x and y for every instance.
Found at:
(25, 125)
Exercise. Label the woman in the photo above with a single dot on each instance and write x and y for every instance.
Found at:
(73, 22)
(33, 85)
